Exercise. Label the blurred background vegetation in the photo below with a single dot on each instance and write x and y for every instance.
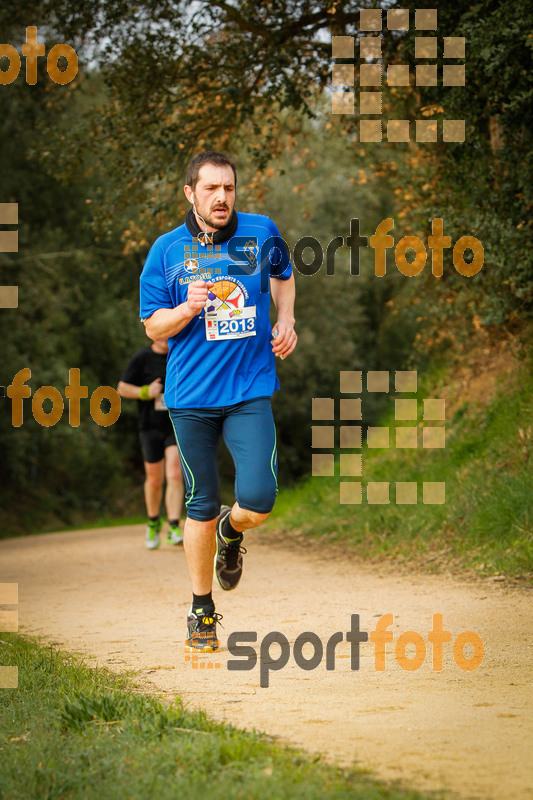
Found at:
(97, 168)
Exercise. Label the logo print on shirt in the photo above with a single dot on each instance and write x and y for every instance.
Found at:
(227, 295)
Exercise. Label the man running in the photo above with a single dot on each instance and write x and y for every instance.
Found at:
(206, 287)
(143, 380)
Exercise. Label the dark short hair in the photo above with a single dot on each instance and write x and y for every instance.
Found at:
(209, 157)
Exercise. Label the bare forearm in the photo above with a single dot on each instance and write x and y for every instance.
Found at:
(166, 322)
(284, 337)
(128, 390)
(147, 392)
(283, 295)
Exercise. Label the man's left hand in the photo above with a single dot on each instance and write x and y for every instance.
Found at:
(284, 339)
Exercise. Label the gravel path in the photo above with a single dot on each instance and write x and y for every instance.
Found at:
(101, 593)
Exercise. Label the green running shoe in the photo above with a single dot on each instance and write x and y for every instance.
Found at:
(152, 539)
(174, 535)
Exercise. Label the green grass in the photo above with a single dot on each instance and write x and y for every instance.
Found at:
(486, 521)
(73, 732)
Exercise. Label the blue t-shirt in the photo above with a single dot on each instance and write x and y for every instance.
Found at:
(204, 371)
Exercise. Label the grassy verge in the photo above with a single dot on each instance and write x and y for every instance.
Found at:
(486, 522)
(73, 732)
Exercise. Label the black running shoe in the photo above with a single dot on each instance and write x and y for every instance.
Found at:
(228, 558)
(202, 630)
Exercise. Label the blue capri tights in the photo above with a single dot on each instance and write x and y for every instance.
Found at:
(250, 436)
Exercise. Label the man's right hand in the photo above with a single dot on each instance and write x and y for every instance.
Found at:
(197, 296)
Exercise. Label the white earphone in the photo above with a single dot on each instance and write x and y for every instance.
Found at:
(203, 237)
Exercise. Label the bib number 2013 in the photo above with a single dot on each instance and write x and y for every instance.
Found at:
(239, 325)
(224, 324)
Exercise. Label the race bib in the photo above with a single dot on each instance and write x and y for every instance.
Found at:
(159, 403)
(230, 324)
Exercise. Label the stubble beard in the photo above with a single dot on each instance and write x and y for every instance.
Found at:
(211, 220)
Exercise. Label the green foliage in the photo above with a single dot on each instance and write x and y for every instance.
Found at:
(77, 309)
(97, 169)
(483, 186)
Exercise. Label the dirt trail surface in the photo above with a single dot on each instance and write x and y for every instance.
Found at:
(101, 593)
